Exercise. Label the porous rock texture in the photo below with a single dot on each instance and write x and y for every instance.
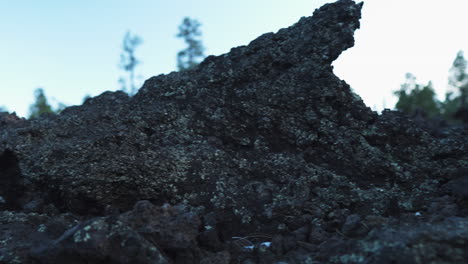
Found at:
(261, 155)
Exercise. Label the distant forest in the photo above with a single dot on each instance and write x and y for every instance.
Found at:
(419, 100)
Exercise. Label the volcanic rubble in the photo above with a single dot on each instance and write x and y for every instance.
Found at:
(260, 155)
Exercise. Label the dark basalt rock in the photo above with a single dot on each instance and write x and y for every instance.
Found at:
(263, 144)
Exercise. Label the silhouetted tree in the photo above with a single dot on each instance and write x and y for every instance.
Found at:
(456, 99)
(40, 106)
(413, 97)
(458, 78)
(128, 62)
(193, 54)
(450, 106)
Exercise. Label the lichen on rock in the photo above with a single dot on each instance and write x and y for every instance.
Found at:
(263, 143)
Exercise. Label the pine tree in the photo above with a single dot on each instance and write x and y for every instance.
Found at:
(40, 106)
(128, 62)
(191, 56)
(458, 81)
(450, 106)
(413, 98)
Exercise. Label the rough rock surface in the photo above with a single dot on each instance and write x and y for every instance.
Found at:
(261, 155)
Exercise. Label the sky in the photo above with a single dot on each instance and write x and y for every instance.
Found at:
(72, 49)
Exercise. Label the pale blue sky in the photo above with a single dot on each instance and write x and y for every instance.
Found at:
(72, 48)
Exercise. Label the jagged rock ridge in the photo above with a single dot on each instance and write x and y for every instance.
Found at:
(262, 139)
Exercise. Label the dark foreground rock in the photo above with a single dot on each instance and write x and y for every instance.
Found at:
(261, 155)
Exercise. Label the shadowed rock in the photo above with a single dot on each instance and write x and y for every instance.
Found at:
(263, 143)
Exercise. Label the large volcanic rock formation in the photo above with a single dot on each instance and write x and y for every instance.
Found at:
(260, 155)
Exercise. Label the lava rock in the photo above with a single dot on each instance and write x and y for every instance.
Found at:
(263, 143)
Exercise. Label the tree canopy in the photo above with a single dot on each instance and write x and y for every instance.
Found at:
(413, 97)
(128, 61)
(190, 32)
(40, 105)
